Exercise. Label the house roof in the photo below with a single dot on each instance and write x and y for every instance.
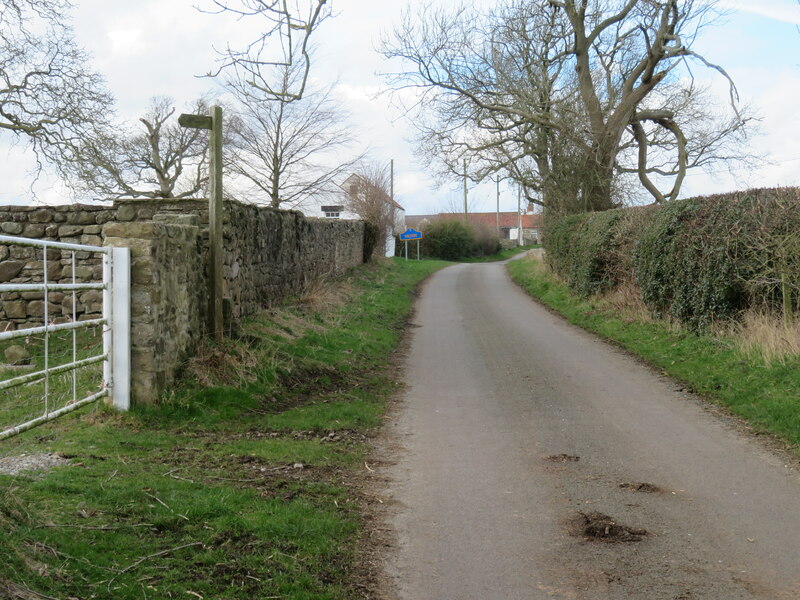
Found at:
(489, 219)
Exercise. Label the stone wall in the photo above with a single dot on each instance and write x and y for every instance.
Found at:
(268, 255)
(167, 296)
(21, 264)
(271, 254)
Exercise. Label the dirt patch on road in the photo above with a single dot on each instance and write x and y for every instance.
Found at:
(645, 488)
(599, 527)
(562, 458)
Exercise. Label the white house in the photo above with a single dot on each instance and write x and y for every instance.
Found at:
(339, 207)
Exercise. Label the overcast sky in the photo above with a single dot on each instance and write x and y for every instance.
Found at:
(159, 47)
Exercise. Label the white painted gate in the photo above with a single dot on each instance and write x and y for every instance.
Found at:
(75, 359)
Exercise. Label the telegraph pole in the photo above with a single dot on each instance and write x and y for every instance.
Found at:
(519, 216)
(466, 218)
(498, 206)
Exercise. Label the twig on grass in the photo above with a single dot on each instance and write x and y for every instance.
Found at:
(171, 474)
(93, 527)
(55, 552)
(135, 564)
(114, 474)
(28, 590)
(157, 499)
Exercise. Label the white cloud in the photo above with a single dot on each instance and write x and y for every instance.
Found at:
(779, 10)
(126, 41)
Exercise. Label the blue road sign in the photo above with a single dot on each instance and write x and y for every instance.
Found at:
(411, 234)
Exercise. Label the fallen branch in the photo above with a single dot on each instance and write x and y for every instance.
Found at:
(30, 591)
(133, 565)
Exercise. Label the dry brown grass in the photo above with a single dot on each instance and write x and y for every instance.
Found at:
(325, 296)
(765, 335)
(224, 364)
(626, 300)
(234, 360)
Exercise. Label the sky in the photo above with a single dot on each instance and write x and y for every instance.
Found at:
(162, 47)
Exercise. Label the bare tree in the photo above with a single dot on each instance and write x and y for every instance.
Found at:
(284, 43)
(49, 96)
(287, 149)
(368, 193)
(566, 94)
(160, 160)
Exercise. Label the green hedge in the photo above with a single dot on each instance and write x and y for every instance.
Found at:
(582, 249)
(695, 260)
(452, 239)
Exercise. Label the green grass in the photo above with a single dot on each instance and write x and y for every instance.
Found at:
(768, 396)
(232, 487)
(25, 402)
(504, 254)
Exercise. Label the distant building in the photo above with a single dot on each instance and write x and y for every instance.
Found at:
(507, 223)
(338, 207)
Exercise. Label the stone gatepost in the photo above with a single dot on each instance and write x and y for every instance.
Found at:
(167, 310)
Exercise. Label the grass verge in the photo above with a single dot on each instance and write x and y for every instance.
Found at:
(504, 254)
(244, 483)
(765, 394)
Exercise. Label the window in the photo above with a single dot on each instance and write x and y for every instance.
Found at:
(332, 212)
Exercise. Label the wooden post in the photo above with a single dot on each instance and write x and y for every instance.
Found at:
(215, 287)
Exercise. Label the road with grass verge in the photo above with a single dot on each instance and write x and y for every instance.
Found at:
(538, 462)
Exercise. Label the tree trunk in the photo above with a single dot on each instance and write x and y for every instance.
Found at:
(599, 178)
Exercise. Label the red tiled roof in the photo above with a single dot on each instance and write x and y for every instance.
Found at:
(489, 219)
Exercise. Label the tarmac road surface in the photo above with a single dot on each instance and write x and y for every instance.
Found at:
(538, 462)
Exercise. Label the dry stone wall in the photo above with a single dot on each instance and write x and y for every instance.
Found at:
(268, 255)
(271, 254)
(25, 264)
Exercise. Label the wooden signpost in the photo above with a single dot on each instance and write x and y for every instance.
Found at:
(213, 123)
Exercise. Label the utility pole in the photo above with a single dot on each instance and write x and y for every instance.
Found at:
(519, 216)
(498, 206)
(391, 231)
(466, 218)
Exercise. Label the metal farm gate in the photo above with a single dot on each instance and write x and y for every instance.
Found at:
(69, 351)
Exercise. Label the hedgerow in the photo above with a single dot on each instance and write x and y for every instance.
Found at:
(452, 239)
(585, 250)
(696, 260)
